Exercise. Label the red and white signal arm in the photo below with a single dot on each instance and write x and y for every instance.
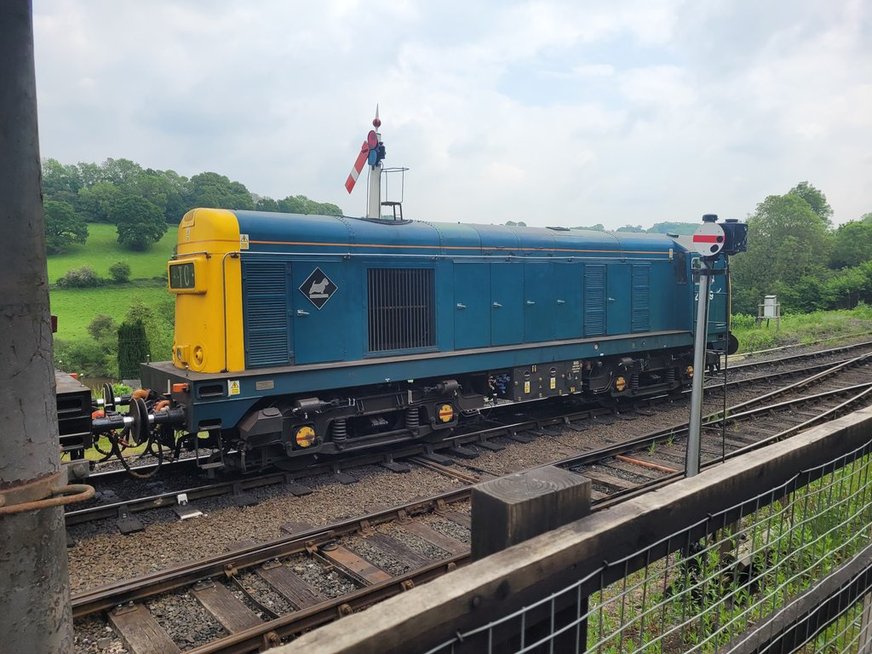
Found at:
(708, 239)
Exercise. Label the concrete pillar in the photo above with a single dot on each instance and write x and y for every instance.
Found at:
(34, 602)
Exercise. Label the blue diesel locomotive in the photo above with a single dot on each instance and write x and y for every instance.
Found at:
(300, 334)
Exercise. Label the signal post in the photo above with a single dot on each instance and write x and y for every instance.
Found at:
(711, 241)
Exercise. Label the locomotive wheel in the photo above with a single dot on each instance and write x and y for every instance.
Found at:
(108, 397)
(139, 412)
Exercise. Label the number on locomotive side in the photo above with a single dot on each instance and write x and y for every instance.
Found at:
(696, 296)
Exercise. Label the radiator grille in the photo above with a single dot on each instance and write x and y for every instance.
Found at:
(265, 289)
(400, 305)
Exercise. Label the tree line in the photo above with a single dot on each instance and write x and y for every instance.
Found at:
(141, 202)
(795, 252)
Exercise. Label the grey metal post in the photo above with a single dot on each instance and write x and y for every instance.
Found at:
(696, 396)
(34, 603)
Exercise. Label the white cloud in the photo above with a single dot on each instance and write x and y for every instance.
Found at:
(550, 112)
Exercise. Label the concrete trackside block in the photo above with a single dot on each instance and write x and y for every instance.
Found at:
(516, 507)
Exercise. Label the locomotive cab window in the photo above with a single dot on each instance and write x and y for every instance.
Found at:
(400, 309)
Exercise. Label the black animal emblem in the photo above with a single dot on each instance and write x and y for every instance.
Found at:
(318, 288)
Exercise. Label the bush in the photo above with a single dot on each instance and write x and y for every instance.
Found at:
(120, 272)
(84, 277)
(743, 321)
(88, 358)
(102, 327)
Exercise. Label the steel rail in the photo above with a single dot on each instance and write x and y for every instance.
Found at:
(271, 631)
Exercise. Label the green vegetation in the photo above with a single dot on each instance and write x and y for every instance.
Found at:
(704, 598)
(101, 251)
(793, 252)
(63, 228)
(801, 328)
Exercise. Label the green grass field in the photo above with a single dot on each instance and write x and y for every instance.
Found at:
(801, 328)
(102, 250)
(76, 307)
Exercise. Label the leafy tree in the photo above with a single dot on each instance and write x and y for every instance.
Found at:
(140, 223)
(816, 200)
(86, 357)
(102, 327)
(852, 244)
(635, 229)
(266, 204)
(89, 174)
(60, 182)
(330, 209)
(593, 228)
(302, 204)
(850, 286)
(63, 227)
(787, 241)
(176, 189)
(217, 191)
(120, 272)
(121, 172)
(157, 320)
(95, 202)
(133, 348)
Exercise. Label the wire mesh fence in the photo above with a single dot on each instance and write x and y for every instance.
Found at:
(736, 581)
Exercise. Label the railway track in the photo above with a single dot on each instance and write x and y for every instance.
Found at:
(260, 595)
(120, 498)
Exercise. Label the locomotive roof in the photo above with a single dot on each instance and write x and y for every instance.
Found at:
(267, 231)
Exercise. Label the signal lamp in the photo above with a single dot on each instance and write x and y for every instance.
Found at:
(445, 413)
(620, 384)
(689, 371)
(305, 436)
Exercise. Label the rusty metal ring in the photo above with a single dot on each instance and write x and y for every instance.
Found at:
(68, 494)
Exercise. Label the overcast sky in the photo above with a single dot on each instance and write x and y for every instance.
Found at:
(555, 113)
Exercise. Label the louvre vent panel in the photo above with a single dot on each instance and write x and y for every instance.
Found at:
(641, 292)
(400, 309)
(594, 300)
(265, 289)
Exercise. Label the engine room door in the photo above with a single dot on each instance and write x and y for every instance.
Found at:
(618, 300)
(507, 303)
(540, 297)
(320, 303)
(472, 310)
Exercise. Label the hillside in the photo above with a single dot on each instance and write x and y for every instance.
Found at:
(76, 308)
(101, 251)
